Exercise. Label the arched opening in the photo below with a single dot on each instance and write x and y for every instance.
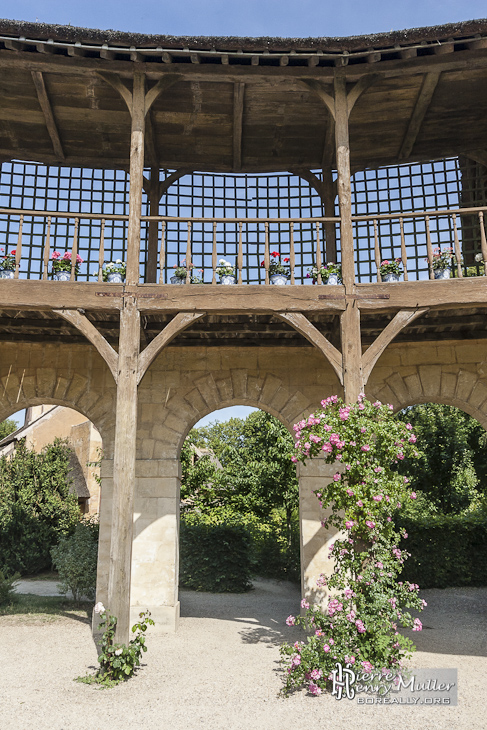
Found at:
(445, 521)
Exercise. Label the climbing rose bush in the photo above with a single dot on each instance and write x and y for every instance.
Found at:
(367, 604)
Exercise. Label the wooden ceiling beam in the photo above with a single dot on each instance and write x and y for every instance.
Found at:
(46, 107)
(423, 101)
(238, 109)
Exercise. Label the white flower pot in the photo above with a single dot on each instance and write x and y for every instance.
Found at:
(278, 279)
(442, 273)
(388, 278)
(62, 276)
(332, 280)
(228, 279)
(177, 280)
(115, 278)
(4, 274)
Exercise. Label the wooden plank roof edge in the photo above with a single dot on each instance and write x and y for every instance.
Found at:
(42, 33)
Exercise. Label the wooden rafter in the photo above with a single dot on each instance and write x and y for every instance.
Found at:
(83, 324)
(313, 335)
(430, 82)
(180, 322)
(375, 350)
(46, 107)
(238, 107)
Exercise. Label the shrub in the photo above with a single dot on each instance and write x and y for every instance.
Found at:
(36, 508)
(446, 550)
(7, 586)
(75, 560)
(215, 557)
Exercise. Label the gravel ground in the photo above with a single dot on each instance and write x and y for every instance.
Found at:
(221, 671)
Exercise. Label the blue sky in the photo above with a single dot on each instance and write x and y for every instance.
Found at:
(296, 18)
(292, 18)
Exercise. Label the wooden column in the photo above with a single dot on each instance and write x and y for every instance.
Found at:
(136, 178)
(153, 237)
(124, 469)
(126, 408)
(350, 318)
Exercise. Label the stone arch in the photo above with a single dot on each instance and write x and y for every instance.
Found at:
(463, 389)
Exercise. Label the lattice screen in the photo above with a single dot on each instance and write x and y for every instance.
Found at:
(435, 185)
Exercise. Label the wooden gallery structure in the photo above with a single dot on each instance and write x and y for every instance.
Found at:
(162, 152)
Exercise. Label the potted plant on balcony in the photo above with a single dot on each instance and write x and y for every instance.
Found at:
(61, 265)
(181, 271)
(226, 272)
(7, 264)
(114, 272)
(441, 263)
(278, 273)
(390, 270)
(331, 273)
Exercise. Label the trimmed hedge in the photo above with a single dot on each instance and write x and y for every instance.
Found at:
(215, 558)
(446, 550)
(231, 547)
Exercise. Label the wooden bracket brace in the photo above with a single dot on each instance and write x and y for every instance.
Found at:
(313, 335)
(89, 330)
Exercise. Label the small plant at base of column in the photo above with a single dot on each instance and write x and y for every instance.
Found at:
(118, 661)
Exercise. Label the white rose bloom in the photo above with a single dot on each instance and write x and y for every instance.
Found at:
(118, 652)
(99, 608)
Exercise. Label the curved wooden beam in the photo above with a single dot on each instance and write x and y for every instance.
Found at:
(313, 335)
(117, 84)
(375, 350)
(164, 83)
(180, 322)
(89, 330)
(358, 89)
(325, 97)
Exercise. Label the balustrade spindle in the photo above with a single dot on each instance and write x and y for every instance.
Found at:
(74, 250)
(458, 252)
(377, 250)
(404, 256)
(429, 247)
(101, 255)
(214, 258)
(266, 253)
(240, 253)
(292, 256)
(188, 255)
(47, 246)
(162, 252)
(318, 253)
(18, 250)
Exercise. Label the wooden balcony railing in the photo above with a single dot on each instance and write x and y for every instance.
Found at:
(247, 242)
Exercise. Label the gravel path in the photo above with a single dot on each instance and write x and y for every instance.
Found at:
(221, 671)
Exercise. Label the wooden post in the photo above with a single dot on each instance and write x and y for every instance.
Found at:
(126, 408)
(136, 178)
(350, 318)
(124, 469)
(153, 233)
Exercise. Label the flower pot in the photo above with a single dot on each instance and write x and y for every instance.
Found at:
(333, 280)
(177, 280)
(115, 278)
(62, 276)
(442, 273)
(278, 279)
(5, 274)
(228, 279)
(387, 278)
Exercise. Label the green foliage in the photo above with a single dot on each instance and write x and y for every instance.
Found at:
(75, 560)
(118, 661)
(36, 509)
(7, 427)
(446, 550)
(366, 602)
(452, 467)
(215, 556)
(7, 587)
